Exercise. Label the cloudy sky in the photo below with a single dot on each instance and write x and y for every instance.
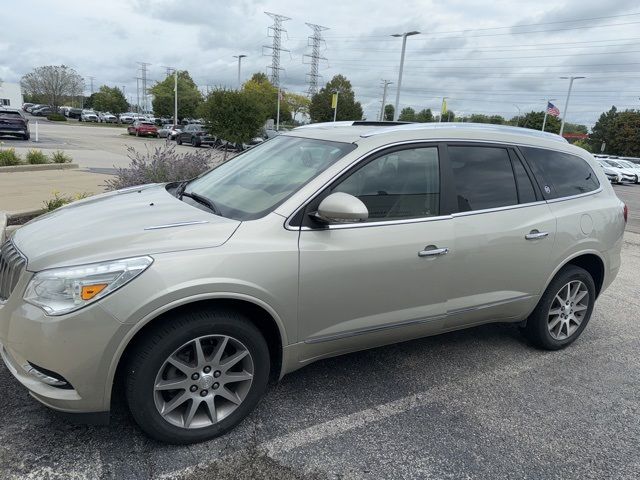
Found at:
(489, 57)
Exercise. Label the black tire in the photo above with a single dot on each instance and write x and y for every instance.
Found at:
(179, 140)
(162, 341)
(536, 328)
(196, 142)
(26, 136)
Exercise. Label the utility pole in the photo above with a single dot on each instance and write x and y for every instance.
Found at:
(566, 104)
(275, 31)
(385, 84)
(314, 41)
(91, 83)
(518, 117)
(239, 57)
(174, 71)
(143, 71)
(404, 36)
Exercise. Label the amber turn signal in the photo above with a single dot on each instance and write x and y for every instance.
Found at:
(90, 291)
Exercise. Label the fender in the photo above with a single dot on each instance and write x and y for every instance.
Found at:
(177, 303)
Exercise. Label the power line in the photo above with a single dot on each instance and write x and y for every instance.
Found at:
(314, 42)
(275, 31)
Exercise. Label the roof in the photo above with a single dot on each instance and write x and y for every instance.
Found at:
(355, 131)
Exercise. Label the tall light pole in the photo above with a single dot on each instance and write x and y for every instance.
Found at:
(386, 83)
(566, 104)
(175, 97)
(546, 108)
(239, 57)
(404, 36)
(518, 117)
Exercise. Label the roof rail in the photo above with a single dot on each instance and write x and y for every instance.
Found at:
(486, 127)
(351, 123)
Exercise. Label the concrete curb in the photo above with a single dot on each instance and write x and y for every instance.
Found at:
(45, 166)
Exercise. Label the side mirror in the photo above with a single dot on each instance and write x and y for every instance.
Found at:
(341, 207)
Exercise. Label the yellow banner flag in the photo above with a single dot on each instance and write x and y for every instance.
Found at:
(334, 101)
(443, 110)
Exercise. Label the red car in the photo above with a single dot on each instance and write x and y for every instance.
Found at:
(141, 128)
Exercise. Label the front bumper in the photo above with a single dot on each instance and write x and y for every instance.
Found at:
(78, 346)
(629, 178)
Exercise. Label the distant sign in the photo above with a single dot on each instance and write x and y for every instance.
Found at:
(576, 136)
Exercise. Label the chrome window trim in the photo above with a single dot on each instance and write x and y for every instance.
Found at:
(288, 226)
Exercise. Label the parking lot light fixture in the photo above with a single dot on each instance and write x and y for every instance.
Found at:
(566, 103)
(239, 57)
(404, 46)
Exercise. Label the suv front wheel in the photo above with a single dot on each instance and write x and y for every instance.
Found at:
(197, 376)
(563, 310)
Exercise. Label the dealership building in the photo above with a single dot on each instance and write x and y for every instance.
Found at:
(10, 95)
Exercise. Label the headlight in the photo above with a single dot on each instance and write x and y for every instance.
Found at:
(63, 290)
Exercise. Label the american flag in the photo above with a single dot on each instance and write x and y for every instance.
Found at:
(552, 109)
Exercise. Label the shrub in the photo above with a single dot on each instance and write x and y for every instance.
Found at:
(56, 117)
(9, 157)
(59, 200)
(163, 164)
(60, 157)
(36, 157)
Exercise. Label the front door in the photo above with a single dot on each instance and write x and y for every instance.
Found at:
(386, 279)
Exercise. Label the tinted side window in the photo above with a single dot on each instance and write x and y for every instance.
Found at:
(403, 184)
(483, 177)
(526, 193)
(563, 173)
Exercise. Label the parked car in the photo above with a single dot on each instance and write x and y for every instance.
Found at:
(27, 105)
(612, 174)
(143, 128)
(632, 167)
(32, 107)
(107, 117)
(89, 115)
(169, 131)
(42, 111)
(13, 123)
(319, 242)
(74, 113)
(628, 175)
(196, 135)
(126, 117)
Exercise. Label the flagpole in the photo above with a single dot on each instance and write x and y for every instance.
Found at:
(544, 122)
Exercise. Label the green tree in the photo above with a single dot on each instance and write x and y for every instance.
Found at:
(497, 120)
(109, 99)
(450, 116)
(54, 83)
(534, 120)
(232, 115)
(407, 114)
(189, 97)
(297, 104)
(348, 109)
(575, 128)
(424, 115)
(265, 95)
(625, 139)
(478, 118)
(89, 101)
(389, 110)
(603, 131)
(583, 144)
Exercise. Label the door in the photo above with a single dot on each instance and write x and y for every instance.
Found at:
(504, 234)
(383, 280)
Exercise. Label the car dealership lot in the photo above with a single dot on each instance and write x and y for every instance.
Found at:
(475, 404)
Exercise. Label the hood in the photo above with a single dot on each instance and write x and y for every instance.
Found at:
(126, 223)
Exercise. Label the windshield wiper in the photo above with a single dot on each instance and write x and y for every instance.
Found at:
(202, 200)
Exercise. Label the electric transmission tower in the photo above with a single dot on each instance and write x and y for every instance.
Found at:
(314, 41)
(275, 31)
(91, 82)
(143, 77)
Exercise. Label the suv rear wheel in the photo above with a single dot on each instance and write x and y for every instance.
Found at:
(564, 309)
(197, 376)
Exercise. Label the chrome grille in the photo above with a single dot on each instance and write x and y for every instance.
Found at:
(12, 263)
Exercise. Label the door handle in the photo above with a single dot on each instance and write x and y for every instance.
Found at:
(535, 234)
(432, 251)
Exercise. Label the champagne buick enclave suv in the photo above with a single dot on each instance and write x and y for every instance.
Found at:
(324, 240)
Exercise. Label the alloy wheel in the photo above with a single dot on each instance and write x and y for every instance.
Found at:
(568, 310)
(203, 381)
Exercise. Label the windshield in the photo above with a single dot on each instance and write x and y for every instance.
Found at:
(256, 182)
(613, 164)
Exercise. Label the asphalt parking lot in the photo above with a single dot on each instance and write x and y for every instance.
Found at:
(479, 403)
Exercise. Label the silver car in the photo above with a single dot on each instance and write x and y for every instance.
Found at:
(321, 241)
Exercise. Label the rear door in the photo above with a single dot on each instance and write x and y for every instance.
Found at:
(504, 233)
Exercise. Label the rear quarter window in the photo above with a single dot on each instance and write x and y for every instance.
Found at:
(560, 174)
